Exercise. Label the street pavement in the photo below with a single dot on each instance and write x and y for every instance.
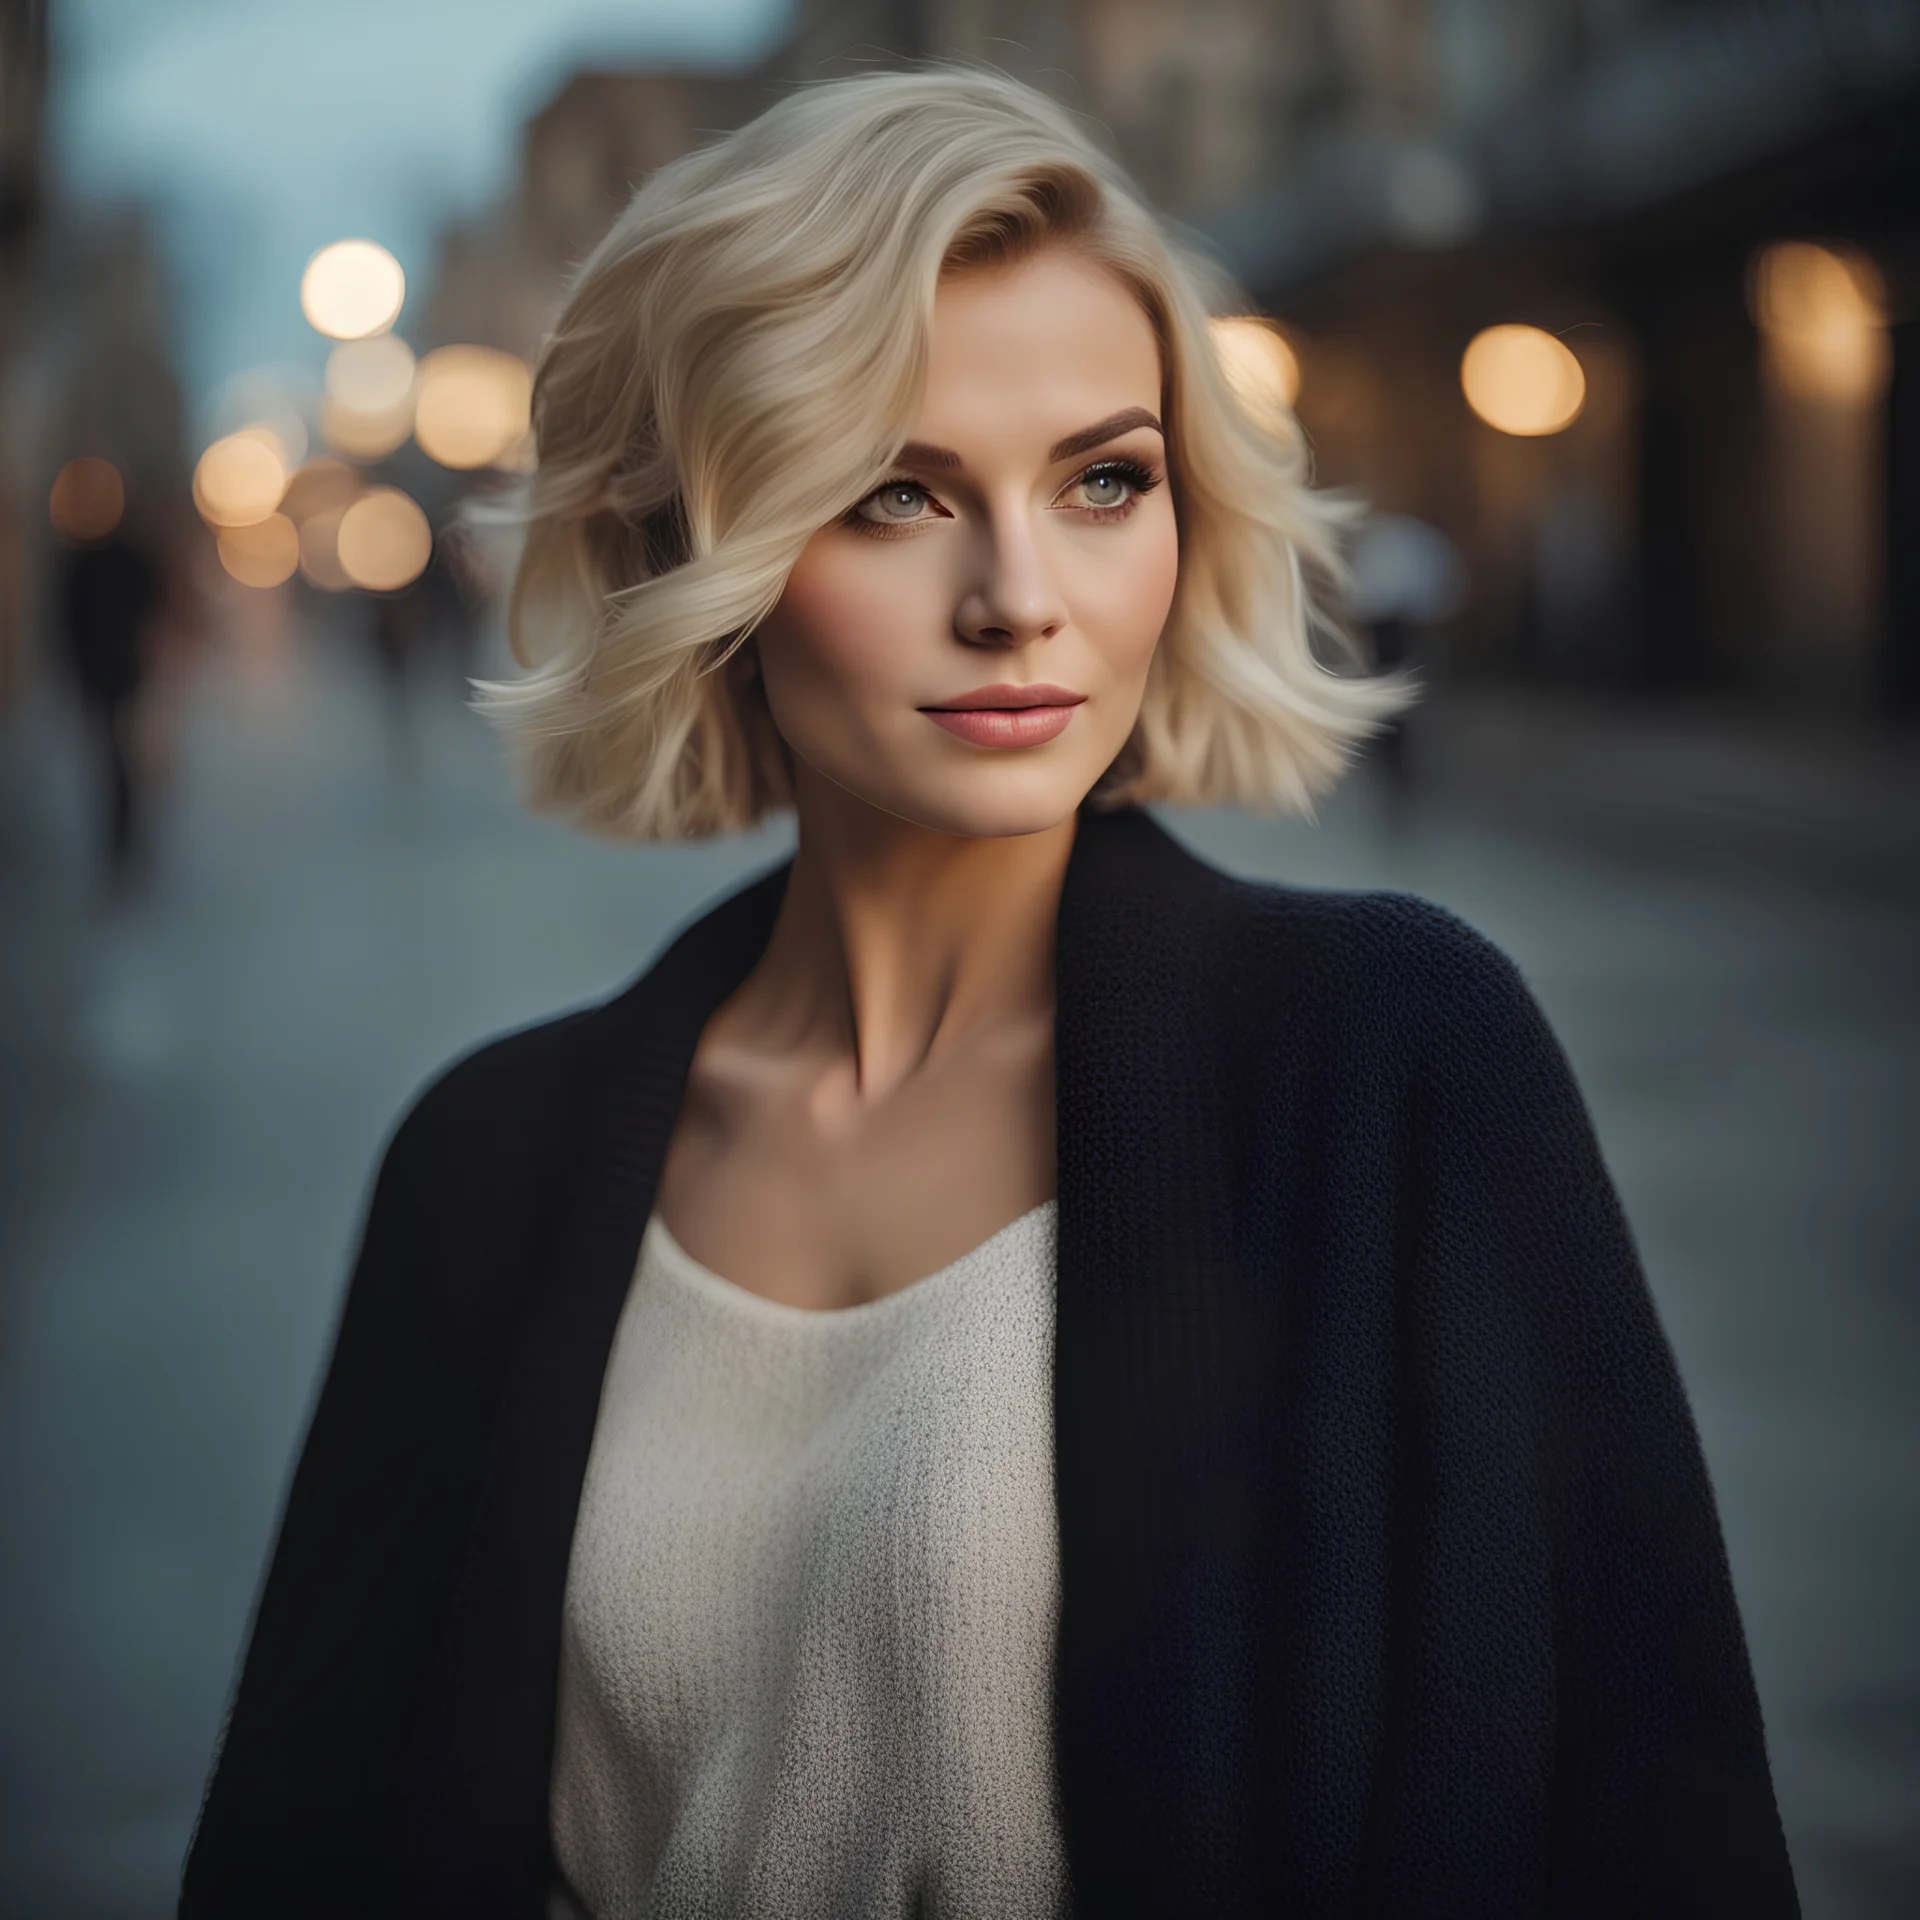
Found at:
(195, 1083)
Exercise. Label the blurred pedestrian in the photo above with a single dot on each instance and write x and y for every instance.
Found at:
(396, 629)
(109, 601)
(1407, 579)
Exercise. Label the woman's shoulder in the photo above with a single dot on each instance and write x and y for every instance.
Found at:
(495, 1118)
(1375, 951)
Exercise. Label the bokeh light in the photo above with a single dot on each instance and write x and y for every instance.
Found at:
(263, 554)
(472, 406)
(1260, 364)
(262, 400)
(87, 500)
(320, 550)
(1822, 314)
(240, 479)
(374, 375)
(365, 436)
(351, 289)
(1522, 380)
(384, 542)
(319, 486)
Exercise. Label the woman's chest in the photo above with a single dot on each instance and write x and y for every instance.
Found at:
(804, 1532)
(810, 1192)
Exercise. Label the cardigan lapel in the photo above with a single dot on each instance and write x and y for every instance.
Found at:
(1154, 1725)
(1151, 1709)
(476, 1824)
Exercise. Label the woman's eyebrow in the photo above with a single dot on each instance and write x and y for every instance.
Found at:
(1097, 435)
(916, 453)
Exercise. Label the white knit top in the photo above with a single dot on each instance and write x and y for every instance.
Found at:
(807, 1650)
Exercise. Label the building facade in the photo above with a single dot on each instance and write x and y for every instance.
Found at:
(1389, 178)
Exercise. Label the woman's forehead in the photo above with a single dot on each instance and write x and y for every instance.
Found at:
(1035, 351)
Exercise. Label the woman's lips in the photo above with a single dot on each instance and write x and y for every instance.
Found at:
(1002, 726)
(1007, 715)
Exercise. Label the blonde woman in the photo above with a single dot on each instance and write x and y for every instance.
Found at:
(1009, 1373)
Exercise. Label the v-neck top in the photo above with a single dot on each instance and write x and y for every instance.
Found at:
(811, 1603)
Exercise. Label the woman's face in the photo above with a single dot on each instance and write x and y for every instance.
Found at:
(967, 649)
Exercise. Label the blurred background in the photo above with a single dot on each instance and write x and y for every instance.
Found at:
(1611, 309)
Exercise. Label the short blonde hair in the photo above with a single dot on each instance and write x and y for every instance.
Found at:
(738, 363)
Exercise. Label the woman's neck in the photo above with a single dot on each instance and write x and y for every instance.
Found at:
(896, 944)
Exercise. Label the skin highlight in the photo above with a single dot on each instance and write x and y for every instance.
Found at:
(877, 1098)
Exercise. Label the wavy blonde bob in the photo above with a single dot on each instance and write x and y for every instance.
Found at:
(739, 363)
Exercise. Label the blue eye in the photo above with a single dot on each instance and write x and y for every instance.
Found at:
(898, 500)
(1112, 487)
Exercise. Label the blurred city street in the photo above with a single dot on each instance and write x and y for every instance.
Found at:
(198, 1078)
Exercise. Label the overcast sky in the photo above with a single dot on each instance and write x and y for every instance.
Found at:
(261, 129)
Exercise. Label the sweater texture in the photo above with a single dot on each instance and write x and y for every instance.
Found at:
(1391, 1582)
(807, 1647)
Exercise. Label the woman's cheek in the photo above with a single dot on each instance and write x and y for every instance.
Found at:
(1123, 607)
(846, 619)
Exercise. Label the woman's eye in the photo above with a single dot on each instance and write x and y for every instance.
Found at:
(897, 501)
(1114, 487)
(1104, 489)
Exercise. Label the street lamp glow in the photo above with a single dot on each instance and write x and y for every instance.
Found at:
(365, 436)
(373, 375)
(1822, 317)
(352, 289)
(384, 542)
(262, 555)
(368, 410)
(240, 479)
(317, 487)
(87, 500)
(1260, 364)
(1522, 381)
(320, 550)
(472, 406)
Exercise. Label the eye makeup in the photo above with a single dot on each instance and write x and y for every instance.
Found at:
(1138, 478)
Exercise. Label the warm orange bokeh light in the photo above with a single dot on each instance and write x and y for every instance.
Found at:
(320, 550)
(1522, 380)
(383, 542)
(87, 500)
(1822, 315)
(352, 289)
(240, 479)
(1260, 364)
(317, 487)
(365, 436)
(374, 375)
(472, 406)
(261, 555)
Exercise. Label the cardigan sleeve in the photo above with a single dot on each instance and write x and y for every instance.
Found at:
(296, 1813)
(326, 1651)
(1662, 1798)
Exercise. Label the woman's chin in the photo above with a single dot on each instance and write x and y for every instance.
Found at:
(984, 803)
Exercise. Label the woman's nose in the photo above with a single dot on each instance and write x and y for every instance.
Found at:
(1013, 599)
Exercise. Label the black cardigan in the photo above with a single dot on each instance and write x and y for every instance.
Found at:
(1391, 1581)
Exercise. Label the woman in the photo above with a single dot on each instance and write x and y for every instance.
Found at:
(1009, 1370)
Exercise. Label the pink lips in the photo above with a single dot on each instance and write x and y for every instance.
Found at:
(1007, 716)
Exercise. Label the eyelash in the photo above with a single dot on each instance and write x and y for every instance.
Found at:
(1140, 478)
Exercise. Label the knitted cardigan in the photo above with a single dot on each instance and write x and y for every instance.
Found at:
(1391, 1579)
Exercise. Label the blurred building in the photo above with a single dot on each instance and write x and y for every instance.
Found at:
(1713, 204)
(86, 365)
(23, 98)
(1734, 507)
